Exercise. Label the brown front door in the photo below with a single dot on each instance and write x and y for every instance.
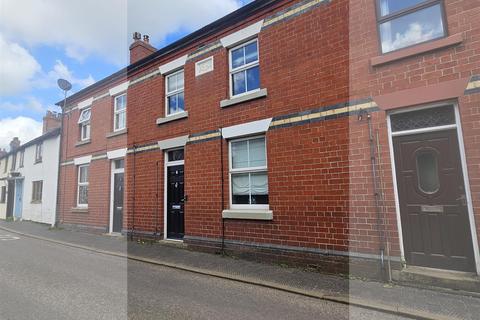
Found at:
(433, 207)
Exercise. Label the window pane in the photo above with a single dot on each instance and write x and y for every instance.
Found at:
(172, 104)
(425, 118)
(240, 188)
(417, 27)
(238, 58)
(171, 83)
(180, 102)
(259, 188)
(120, 120)
(257, 153)
(239, 83)
(121, 103)
(85, 115)
(176, 155)
(83, 174)
(240, 154)
(391, 6)
(253, 79)
(427, 168)
(251, 52)
(180, 80)
(83, 195)
(119, 164)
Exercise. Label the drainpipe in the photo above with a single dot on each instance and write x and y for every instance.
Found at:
(376, 187)
(157, 198)
(223, 196)
(133, 204)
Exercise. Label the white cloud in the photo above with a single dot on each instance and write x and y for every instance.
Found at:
(415, 33)
(104, 27)
(17, 67)
(30, 105)
(60, 70)
(24, 128)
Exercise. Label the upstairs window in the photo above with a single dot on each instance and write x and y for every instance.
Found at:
(244, 69)
(14, 162)
(38, 152)
(409, 22)
(175, 98)
(84, 122)
(82, 190)
(5, 166)
(22, 157)
(120, 113)
(248, 174)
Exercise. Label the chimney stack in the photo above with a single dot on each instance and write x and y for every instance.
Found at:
(52, 120)
(3, 152)
(14, 144)
(140, 49)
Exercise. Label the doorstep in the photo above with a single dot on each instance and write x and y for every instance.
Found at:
(429, 277)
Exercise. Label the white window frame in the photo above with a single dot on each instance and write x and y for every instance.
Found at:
(246, 170)
(117, 112)
(39, 152)
(242, 68)
(85, 125)
(174, 92)
(82, 184)
(37, 195)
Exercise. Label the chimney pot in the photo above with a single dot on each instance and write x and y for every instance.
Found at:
(137, 36)
(140, 49)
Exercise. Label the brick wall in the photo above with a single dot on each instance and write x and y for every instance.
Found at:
(302, 69)
(418, 71)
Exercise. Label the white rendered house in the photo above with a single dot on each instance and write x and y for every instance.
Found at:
(28, 180)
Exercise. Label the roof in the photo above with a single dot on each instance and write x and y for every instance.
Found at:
(43, 137)
(212, 28)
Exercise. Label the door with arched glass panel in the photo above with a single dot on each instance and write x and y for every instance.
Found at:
(431, 190)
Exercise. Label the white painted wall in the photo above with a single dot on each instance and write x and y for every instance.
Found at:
(3, 206)
(47, 171)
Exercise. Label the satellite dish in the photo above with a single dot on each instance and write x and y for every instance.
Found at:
(64, 84)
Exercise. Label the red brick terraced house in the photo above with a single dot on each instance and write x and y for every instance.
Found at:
(93, 158)
(418, 63)
(339, 133)
(238, 135)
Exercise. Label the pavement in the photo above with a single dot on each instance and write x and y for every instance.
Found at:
(356, 293)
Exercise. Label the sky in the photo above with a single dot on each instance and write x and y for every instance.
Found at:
(83, 42)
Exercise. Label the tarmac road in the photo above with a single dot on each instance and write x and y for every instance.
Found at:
(41, 280)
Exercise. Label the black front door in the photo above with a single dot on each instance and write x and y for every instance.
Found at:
(175, 202)
(118, 202)
(433, 205)
(10, 198)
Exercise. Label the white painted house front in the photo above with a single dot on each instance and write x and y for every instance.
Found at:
(28, 180)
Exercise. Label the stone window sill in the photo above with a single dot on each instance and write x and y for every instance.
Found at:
(82, 143)
(36, 202)
(247, 214)
(247, 97)
(116, 133)
(80, 210)
(176, 116)
(416, 50)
